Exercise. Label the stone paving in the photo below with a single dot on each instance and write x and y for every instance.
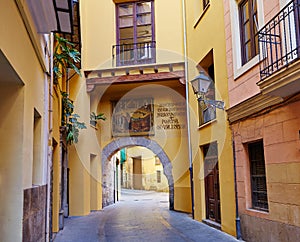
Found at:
(139, 216)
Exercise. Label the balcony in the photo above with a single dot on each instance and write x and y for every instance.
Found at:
(134, 54)
(279, 46)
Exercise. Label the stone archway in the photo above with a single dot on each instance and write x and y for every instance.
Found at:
(120, 143)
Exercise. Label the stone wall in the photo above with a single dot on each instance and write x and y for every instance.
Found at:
(279, 131)
(34, 214)
(256, 229)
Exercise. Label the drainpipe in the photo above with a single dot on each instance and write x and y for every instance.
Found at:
(237, 218)
(50, 149)
(187, 106)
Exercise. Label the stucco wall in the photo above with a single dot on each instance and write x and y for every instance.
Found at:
(173, 141)
(22, 90)
(206, 37)
(99, 33)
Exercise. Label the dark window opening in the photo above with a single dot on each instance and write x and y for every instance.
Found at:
(207, 112)
(158, 176)
(258, 176)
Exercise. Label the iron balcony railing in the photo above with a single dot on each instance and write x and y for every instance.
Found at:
(279, 40)
(133, 54)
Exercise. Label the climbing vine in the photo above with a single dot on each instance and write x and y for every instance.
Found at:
(66, 56)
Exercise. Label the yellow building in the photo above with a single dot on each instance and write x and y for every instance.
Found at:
(143, 170)
(213, 166)
(31, 147)
(133, 69)
(134, 74)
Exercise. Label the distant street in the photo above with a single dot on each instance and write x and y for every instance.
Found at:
(138, 216)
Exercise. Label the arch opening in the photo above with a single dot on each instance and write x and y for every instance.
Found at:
(120, 143)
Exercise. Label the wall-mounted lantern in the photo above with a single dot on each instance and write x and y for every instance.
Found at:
(201, 84)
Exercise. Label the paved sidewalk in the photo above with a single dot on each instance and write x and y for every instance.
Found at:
(139, 216)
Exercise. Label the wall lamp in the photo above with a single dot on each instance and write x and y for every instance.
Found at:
(200, 86)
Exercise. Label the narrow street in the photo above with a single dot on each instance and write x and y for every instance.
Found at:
(138, 216)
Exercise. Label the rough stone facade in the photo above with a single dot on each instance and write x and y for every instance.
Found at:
(34, 214)
(256, 229)
(120, 143)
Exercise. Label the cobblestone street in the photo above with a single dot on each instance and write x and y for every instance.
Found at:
(138, 216)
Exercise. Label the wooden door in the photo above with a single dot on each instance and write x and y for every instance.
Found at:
(212, 188)
(137, 173)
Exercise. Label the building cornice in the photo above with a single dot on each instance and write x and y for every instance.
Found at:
(133, 74)
(251, 106)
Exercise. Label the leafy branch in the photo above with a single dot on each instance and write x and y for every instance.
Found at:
(94, 117)
(70, 119)
(65, 56)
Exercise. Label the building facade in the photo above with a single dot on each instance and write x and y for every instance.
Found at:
(143, 170)
(213, 168)
(24, 65)
(262, 46)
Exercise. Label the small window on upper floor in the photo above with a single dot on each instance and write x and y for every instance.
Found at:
(207, 112)
(248, 29)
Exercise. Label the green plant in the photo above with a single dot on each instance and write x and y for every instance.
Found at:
(70, 119)
(65, 56)
(94, 117)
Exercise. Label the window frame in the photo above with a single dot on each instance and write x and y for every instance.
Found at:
(208, 113)
(253, 40)
(158, 176)
(253, 149)
(135, 48)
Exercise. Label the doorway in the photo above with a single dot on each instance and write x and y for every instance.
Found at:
(212, 186)
(137, 173)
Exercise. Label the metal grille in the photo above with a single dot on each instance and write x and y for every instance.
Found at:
(279, 40)
(135, 53)
(258, 176)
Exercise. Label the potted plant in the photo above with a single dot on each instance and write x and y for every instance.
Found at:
(95, 117)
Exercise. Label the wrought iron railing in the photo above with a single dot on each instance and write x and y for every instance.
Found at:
(279, 40)
(133, 54)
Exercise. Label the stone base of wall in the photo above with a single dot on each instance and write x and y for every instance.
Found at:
(262, 230)
(34, 214)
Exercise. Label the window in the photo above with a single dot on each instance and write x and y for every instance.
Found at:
(258, 176)
(207, 112)
(248, 29)
(158, 176)
(135, 33)
(205, 3)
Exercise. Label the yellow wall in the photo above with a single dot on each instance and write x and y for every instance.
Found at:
(172, 141)
(149, 169)
(19, 97)
(99, 32)
(11, 141)
(98, 36)
(205, 31)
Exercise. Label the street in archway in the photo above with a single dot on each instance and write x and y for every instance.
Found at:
(138, 216)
